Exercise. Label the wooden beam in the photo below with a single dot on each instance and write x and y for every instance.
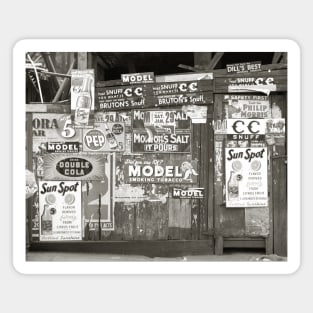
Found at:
(276, 57)
(82, 60)
(202, 59)
(217, 56)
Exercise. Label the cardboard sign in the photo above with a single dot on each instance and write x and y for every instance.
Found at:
(104, 137)
(247, 106)
(82, 97)
(187, 193)
(246, 177)
(244, 67)
(50, 127)
(74, 167)
(60, 210)
(243, 141)
(146, 170)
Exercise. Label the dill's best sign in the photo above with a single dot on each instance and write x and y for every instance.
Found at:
(71, 167)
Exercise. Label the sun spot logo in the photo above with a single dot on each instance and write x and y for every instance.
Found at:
(94, 139)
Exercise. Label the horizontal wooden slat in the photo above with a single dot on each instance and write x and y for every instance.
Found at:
(48, 108)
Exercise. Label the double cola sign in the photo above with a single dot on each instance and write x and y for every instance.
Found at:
(74, 167)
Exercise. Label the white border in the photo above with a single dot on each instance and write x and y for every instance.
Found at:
(165, 45)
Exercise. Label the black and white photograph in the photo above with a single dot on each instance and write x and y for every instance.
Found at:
(154, 156)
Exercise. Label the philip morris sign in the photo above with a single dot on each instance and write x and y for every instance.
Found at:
(149, 170)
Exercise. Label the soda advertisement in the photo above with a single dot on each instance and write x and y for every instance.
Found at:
(156, 170)
(247, 106)
(74, 166)
(82, 97)
(60, 210)
(52, 127)
(246, 177)
(162, 131)
(98, 204)
(104, 137)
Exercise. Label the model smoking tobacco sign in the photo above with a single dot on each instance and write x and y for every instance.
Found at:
(246, 177)
(150, 170)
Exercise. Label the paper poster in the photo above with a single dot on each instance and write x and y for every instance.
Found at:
(74, 167)
(197, 114)
(162, 131)
(247, 106)
(146, 170)
(60, 210)
(246, 177)
(82, 97)
(104, 137)
(97, 201)
(52, 127)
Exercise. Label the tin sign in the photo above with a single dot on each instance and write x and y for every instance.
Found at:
(104, 137)
(148, 170)
(60, 210)
(188, 193)
(74, 167)
(246, 177)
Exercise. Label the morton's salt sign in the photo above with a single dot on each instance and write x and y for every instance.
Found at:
(157, 170)
(161, 131)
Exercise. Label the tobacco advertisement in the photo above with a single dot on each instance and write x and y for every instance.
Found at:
(247, 106)
(246, 177)
(148, 169)
(60, 210)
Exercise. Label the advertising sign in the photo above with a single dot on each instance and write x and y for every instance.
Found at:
(159, 171)
(97, 202)
(60, 210)
(82, 97)
(246, 126)
(50, 127)
(244, 67)
(161, 131)
(63, 147)
(177, 88)
(120, 98)
(250, 83)
(246, 177)
(104, 137)
(74, 166)
(188, 193)
(138, 78)
(247, 106)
